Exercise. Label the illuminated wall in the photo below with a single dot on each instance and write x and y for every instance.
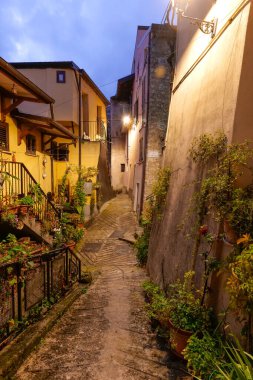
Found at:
(212, 91)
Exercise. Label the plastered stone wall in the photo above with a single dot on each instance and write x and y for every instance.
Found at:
(214, 95)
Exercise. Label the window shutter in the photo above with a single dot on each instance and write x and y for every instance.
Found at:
(4, 136)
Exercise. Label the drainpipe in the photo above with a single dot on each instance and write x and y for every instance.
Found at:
(51, 156)
(146, 129)
(78, 75)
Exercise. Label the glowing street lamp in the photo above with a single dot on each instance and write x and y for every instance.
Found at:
(126, 120)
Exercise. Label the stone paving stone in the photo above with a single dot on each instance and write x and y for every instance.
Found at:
(105, 335)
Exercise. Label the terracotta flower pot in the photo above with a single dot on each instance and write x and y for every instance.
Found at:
(23, 209)
(13, 210)
(178, 339)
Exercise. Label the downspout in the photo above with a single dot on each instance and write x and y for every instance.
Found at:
(51, 156)
(146, 130)
(79, 87)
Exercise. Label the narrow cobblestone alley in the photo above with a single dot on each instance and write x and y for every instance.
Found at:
(105, 335)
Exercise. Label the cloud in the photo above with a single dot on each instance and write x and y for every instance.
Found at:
(98, 35)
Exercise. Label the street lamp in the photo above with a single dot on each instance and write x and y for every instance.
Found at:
(126, 120)
(207, 27)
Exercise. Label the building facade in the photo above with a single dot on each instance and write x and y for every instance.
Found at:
(148, 100)
(212, 92)
(81, 108)
(24, 164)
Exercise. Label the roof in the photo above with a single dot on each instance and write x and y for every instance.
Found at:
(124, 88)
(142, 27)
(63, 65)
(44, 124)
(15, 84)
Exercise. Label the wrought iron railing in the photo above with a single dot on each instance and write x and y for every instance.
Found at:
(18, 181)
(94, 130)
(22, 289)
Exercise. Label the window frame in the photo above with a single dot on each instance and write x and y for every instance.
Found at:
(55, 151)
(58, 76)
(32, 139)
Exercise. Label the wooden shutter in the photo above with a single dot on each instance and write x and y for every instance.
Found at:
(4, 136)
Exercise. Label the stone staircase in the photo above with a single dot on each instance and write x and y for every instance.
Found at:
(20, 182)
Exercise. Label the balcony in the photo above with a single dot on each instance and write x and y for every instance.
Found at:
(94, 130)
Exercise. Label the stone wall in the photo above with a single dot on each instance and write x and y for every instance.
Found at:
(162, 45)
(208, 96)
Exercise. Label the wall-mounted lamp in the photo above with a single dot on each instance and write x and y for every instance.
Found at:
(207, 27)
(126, 120)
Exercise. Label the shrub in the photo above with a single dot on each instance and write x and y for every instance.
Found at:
(141, 245)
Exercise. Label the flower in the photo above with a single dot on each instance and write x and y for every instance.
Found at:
(203, 230)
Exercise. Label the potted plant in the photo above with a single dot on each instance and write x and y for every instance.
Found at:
(239, 284)
(150, 290)
(158, 309)
(202, 350)
(187, 314)
(25, 203)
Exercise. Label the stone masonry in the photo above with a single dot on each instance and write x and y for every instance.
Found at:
(162, 47)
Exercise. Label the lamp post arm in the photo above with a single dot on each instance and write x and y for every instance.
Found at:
(207, 27)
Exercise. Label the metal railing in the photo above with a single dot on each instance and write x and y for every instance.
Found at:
(22, 288)
(19, 181)
(94, 130)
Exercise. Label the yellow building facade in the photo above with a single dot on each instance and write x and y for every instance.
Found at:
(81, 108)
(21, 140)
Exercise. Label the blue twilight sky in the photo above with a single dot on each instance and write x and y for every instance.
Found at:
(97, 35)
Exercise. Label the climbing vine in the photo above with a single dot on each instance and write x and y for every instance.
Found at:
(153, 209)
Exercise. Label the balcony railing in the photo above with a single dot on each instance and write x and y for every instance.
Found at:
(94, 131)
(20, 182)
(22, 288)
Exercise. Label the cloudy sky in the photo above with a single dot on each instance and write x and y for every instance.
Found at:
(97, 35)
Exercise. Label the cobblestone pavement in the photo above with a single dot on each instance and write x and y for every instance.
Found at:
(105, 335)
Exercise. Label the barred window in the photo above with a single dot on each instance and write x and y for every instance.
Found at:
(60, 152)
(4, 136)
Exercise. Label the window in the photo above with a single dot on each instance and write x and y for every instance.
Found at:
(30, 144)
(122, 168)
(60, 152)
(4, 136)
(60, 76)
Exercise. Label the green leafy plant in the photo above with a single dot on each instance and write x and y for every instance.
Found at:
(159, 307)
(151, 289)
(240, 280)
(79, 197)
(27, 200)
(153, 208)
(186, 309)
(36, 193)
(219, 191)
(201, 352)
(12, 250)
(239, 363)
(141, 245)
